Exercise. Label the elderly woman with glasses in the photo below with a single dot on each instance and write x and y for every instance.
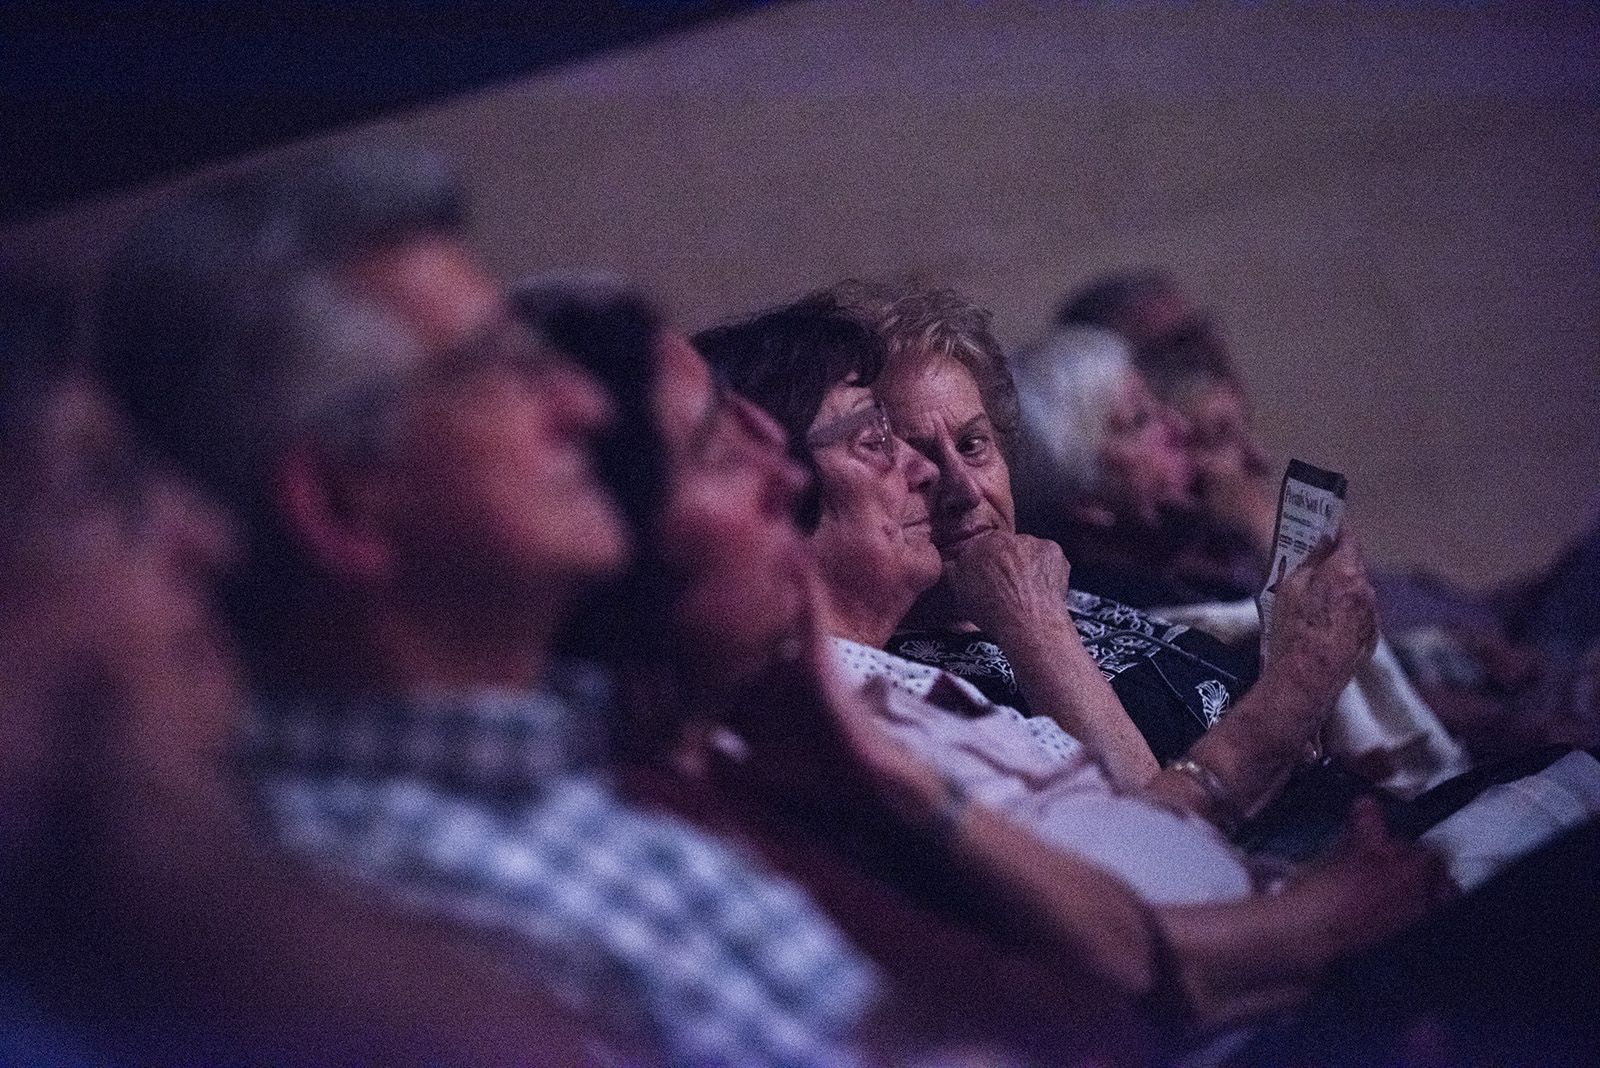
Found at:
(865, 507)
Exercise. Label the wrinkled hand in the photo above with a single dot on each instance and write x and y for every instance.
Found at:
(1369, 887)
(1002, 581)
(1324, 623)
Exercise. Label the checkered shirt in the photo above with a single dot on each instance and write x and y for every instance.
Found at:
(657, 933)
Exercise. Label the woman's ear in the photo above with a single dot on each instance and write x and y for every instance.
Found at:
(327, 509)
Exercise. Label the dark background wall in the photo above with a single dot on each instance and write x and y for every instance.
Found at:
(1393, 208)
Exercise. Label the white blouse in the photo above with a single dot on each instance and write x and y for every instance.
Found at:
(1030, 769)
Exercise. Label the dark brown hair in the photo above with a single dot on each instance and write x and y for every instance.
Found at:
(786, 360)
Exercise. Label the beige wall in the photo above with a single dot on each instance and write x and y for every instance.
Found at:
(1393, 210)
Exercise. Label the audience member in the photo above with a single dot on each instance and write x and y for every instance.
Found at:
(142, 924)
(318, 347)
(1104, 469)
(1144, 306)
(1478, 659)
(1091, 480)
(1179, 351)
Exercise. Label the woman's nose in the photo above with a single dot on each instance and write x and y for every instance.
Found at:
(957, 489)
(922, 475)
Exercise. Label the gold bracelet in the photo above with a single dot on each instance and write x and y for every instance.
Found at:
(1227, 813)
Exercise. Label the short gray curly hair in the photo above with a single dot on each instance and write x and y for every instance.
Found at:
(919, 322)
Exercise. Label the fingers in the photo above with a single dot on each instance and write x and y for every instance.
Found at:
(999, 549)
(1336, 568)
(1323, 550)
(1343, 551)
(975, 560)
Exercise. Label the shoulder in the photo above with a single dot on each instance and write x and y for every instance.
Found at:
(859, 663)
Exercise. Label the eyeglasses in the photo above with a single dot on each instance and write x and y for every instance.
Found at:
(867, 429)
(503, 344)
(361, 420)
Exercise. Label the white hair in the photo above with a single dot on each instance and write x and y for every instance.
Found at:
(1066, 385)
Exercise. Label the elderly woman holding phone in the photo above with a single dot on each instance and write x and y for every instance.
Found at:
(925, 526)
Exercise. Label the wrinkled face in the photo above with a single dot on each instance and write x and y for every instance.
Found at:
(1145, 472)
(935, 406)
(486, 488)
(1222, 446)
(727, 530)
(105, 565)
(874, 541)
